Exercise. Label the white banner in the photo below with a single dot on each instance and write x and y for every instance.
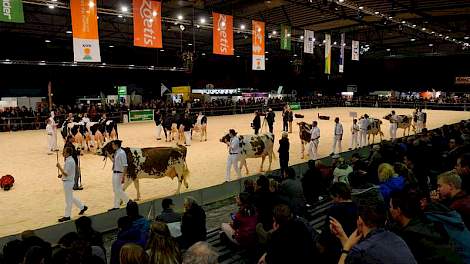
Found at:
(309, 41)
(355, 50)
(341, 54)
(86, 50)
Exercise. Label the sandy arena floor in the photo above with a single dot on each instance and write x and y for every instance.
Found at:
(37, 197)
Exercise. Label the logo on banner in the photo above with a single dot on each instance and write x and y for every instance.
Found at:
(12, 11)
(327, 53)
(147, 24)
(147, 14)
(7, 8)
(258, 45)
(355, 50)
(86, 47)
(309, 41)
(222, 34)
(222, 28)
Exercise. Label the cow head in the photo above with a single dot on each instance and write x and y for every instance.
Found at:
(387, 117)
(225, 139)
(106, 151)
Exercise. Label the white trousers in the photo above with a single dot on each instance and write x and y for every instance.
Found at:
(313, 149)
(233, 161)
(187, 137)
(337, 141)
(159, 131)
(52, 141)
(119, 194)
(355, 140)
(70, 199)
(363, 138)
(393, 131)
(419, 126)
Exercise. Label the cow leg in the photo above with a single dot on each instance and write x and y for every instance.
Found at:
(270, 156)
(262, 163)
(137, 189)
(302, 149)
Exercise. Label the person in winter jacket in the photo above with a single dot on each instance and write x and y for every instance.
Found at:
(390, 182)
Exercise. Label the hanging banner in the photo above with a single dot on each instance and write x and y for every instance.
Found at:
(285, 37)
(258, 46)
(147, 24)
(327, 53)
(309, 41)
(222, 34)
(355, 50)
(86, 47)
(12, 11)
(341, 54)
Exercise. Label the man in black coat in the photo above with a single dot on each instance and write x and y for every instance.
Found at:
(284, 152)
(256, 123)
(270, 119)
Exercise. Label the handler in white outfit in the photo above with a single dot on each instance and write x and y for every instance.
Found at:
(419, 121)
(67, 176)
(393, 125)
(50, 138)
(233, 155)
(354, 135)
(338, 136)
(363, 124)
(314, 141)
(119, 174)
(53, 129)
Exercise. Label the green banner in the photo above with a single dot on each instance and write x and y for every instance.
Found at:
(294, 106)
(285, 37)
(122, 91)
(140, 115)
(12, 11)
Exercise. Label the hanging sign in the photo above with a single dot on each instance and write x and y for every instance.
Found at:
(147, 23)
(309, 41)
(258, 46)
(222, 34)
(327, 53)
(86, 47)
(355, 50)
(341, 55)
(12, 11)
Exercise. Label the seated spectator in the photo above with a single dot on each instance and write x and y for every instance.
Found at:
(312, 183)
(168, 214)
(263, 200)
(13, 252)
(342, 171)
(291, 188)
(389, 181)
(402, 169)
(132, 254)
(345, 211)
(423, 239)
(35, 255)
(371, 243)
(201, 253)
(126, 234)
(449, 187)
(290, 242)
(162, 247)
(138, 222)
(242, 230)
(462, 167)
(249, 186)
(193, 223)
(86, 232)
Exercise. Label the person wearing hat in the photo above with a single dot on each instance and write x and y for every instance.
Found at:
(284, 152)
(270, 119)
(314, 141)
(338, 137)
(233, 155)
(119, 174)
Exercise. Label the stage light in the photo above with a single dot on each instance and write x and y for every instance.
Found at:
(120, 16)
(154, 13)
(124, 9)
(242, 26)
(403, 22)
(430, 45)
(202, 20)
(47, 41)
(111, 46)
(182, 27)
(376, 12)
(301, 37)
(180, 17)
(388, 49)
(162, 50)
(103, 63)
(91, 4)
(335, 43)
(274, 33)
(466, 37)
(288, 35)
(361, 7)
(190, 44)
(423, 29)
(266, 52)
(413, 39)
(341, 1)
(203, 54)
(51, 6)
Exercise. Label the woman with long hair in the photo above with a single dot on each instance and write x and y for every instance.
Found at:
(132, 254)
(162, 247)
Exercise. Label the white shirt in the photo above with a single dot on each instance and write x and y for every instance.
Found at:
(354, 128)
(363, 123)
(86, 120)
(120, 160)
(199, 119)
(53, 123)
(49, 129)
(315, 133)
(338, 129)
(394, 119)
(69, 169)
(420, 116)
(234, 147)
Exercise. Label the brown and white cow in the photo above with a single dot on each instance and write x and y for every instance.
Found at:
(152, 163)
(254, 146)
(373, 128)
(305, 135)
(404, 121)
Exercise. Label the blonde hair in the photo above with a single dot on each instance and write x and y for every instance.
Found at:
(385, 172)
(132, 254)
(451, 178)
(273, 185)
(163, 247)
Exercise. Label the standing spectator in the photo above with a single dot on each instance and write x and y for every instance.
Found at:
(168, 214)
(242, 230)
(162, 248)
(53, 145)
(133, 254)
(270, 115)
(291, 119)
(284, 152)
(50, 137)
(449, 187)
(285, 119)
(256, 124)
(371, 243)
(354, 135)
(193, 223)
(390, 182)
(201, 253)
(338, 136)
(264, 203)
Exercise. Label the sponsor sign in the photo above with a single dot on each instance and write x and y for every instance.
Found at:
(86, 47)
(222, 34)
(147, 24)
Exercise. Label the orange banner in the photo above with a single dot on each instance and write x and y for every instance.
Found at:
(222, 34)
(147, 23)
(258, 45)
(86, 46)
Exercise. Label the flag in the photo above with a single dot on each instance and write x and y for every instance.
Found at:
(341, 55)
(285, 37)
(327, 53)
(12, 11)
(309, 41)
(147, 23)
(355, 50)
(258, 45)
(222, 34)
(163, 89)
(86, 47)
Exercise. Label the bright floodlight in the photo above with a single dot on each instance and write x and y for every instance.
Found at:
(242, 26)
(91, 4)
(202, 20)
(124, 9)
(180, 17)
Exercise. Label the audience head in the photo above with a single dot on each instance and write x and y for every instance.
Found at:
(371, 216)
(167, 203)
(27, 234)
(448, 184)
(249, 185)
(273, 186)
(124, 223)
(163, 247)
(282, 215)
(190, 202)
(132, 209)
(462, 165)
(83, 224)
(404, 205)
(340, 192)
(385, 172)
(289, 173)
(67, 240)
(35, 255)
(14, 251)
(201, 253)
(262, 184)
(132, 254)
(355, 157)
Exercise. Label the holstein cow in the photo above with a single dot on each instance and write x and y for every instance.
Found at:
(374, 129)
(254, 146)
(152, 163)
(404, 121)
(93, 135)
(77, 130)
(305, 135)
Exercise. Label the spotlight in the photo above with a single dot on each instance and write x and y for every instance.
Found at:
(403, 22)
(242, 26)
(266, 52)
(111, 46)
(120, 16)
(124, 9)
(47, 41)
(388, 49)
(274, 33)
(68, 32)
(288, 35)
(202, 20)
(431, 45)
(190, 44)
(361, 7)
(51, 6)
(376, 12)
(91, 4)
(162, 50)
(301, 37)
(180, 17)
(182, 27)
(466, 37)
(203, 54)
(198, 26)
(335, 43)
(341, 1)
(154, 13)
(423, 29)
(413, 39)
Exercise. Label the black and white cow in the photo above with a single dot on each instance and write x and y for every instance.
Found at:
(152, 163)
(254, 146)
